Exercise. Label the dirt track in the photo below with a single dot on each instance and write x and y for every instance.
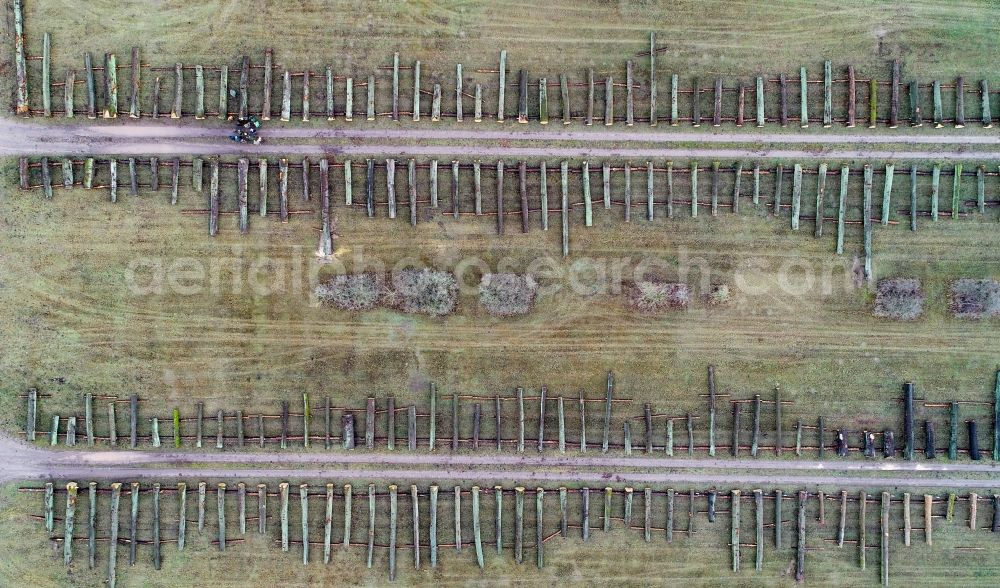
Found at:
(25, 137)
(24, 462)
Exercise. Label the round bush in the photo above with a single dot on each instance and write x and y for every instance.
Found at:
(649, 296)
(899, 299)
(507, 294)
(351, 291)
(975, 299)
(424, 291)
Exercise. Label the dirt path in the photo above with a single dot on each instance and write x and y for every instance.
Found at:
(22, 462)
(26, 137)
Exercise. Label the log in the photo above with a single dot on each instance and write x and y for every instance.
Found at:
(867, 221)
(112, 426)
(500, 210)
(884, 568)
(756, 184)
(175, 172)
(157, 559)
(113, 181)
(894, 108)
(984, 93)
(973, 441)
(392, 531)
(181, 514)
(458, 518)
(436, 103)
(221, 507)
(628, 192)
(433, 525)
(690, 430)
(938, 109)
(283, 493)
(498, 524)
(88, 418)
(541, 418)
(498, 412)
(520, 419)
(609, 101)
(501, 87)
(68, 522)
(928, 519)
(670, 438)
(585, 525)
(779, 176)
(214, 199)
(783, 99)
(459, 115)
(49, 506)
(349, 510)
(973, 507)
(543, 101)
(627, 426)
(734, 536)
(800, 551)
(199, 90)
(607, 509)
(416, 88)
(735, 446)
(347, 428)
(243, 166)
(759, 101)
(305, 96)
(628, 507)
(330, 112)
(583, 423)
(820, 199)
(390, 423)
(133, 421)
(286, 96)
(935, 190)
(953, 437)
(261, 508)
(477, 189)
(960, 103)
(956, 191)
(852, 98)
(241, 506)
(116, 491)
(54, 430)
(244, 85)
(649, 190)
(23, 107)
(539, 528)
(741, 98)
(872, 103)
(412, 428)
(717, 111)
(907, 525)
(395, 86)
(691, 511)
(349, 100)
(202, 489)
(523, 190)
(432, 388)
(916, 119)
(796, 195)
(32, 421)
(519, 524)
(477, 537)
(416, 526)
(46, 75)
(370, 114)
(736, 187)
(981, 189)
(908, 430)
(629, 95)
(827, 94)
(803, 98)
(670, 515)
(647, 411)
(70, 84)
(607, 412)
(477, 114)
(328, 524)
(564, 181)
(862, 523)
(455, 434)
(371, 525)
(110, 86)
(88, 67)
(715, 188)
(92, 525)
(694, 189)
(564, 99)
(647, 503)
(223, 92)
(758, 501)
(778, 522)
(845, 172)
(176, 111)
(563, 513)
(177, 427)
(673, 100)
(755, 440)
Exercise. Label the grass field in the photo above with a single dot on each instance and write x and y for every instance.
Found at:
(235, 325)
(700, 559)
(734, 40)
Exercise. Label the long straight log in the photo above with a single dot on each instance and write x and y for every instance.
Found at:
(519, 524)
(852, 97)
(862, 524)
(181, 515)
(803, 99)
(23, 107)
(283, 494)
(734, 536)
(563, 512)
(457, 503)
(262, 508)
(884, 568)
(92, 525)
(157, 558)
(68, 522)
(500, 210)
(928, 519)
(221, 502)
(433, 525)
(585, 524)
(88, 67)
(960, 102)
(265, 109)
(796, 195)
(349, 510)
(110, 86)
(607, 412)
(244, 85)
(501, 87)
(778, 522)
(800, 540)
(539, 528)
(328, 524)
(564, 184)
(820, 199)
(609, 101)
(176, 111)
(476, 535)
(845, 172)
(133, 535)
(758, 501)
(199, 92)
(938, 114)
(116, 491)
(432, 387)
(459, 115)
(393, 506)
(894, 103)
(304, 510)
(371, 525)
(629, 95)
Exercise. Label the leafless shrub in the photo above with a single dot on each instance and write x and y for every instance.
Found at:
(424, 291)
(351, 291)
(899, 299)
(975, 299)
(653, 296)
(507, 294)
